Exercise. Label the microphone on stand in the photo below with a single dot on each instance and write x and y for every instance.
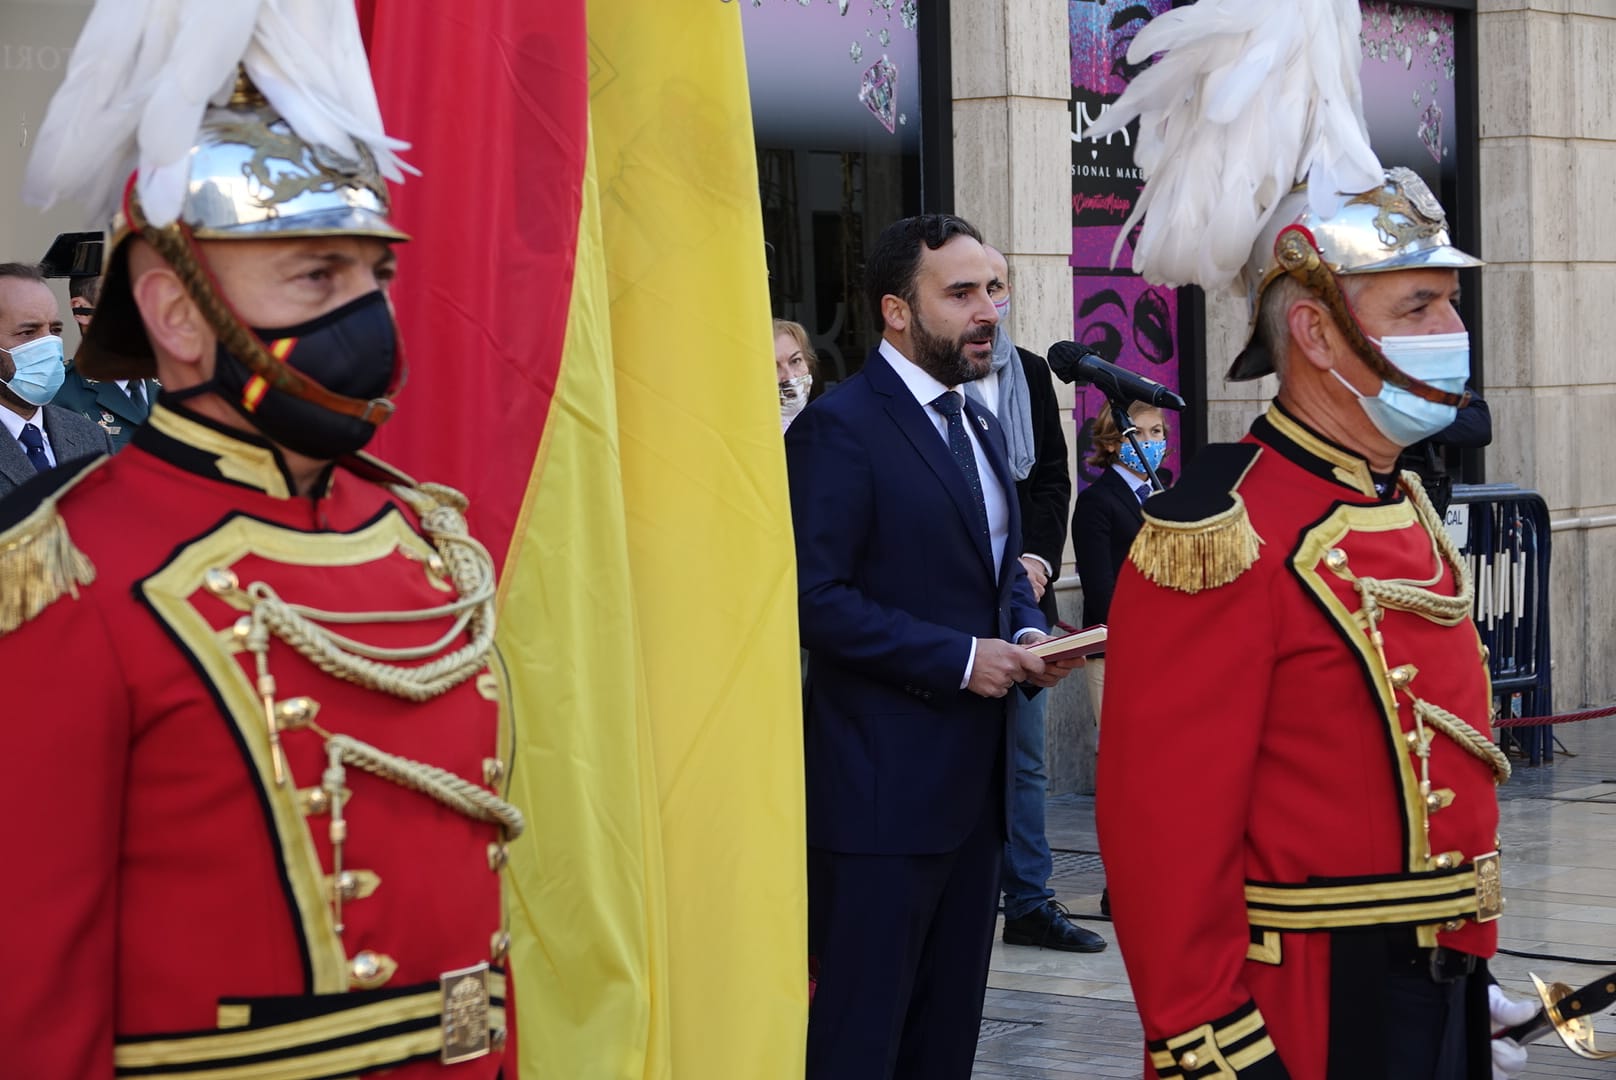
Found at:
(1075, 363)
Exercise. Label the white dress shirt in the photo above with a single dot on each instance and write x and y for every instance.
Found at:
(14, 425)
(927, 389)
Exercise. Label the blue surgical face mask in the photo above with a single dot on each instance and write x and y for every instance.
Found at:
(1155, 450)
(39, 369)
(1442, 360)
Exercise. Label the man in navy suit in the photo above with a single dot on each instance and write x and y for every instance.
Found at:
(911, 595)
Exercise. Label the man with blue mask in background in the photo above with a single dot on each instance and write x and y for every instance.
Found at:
(39, 434)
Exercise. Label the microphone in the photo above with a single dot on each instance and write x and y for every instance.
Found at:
(1076, 363)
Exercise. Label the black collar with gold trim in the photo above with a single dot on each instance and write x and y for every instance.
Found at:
(207, 448)
(1300, 444)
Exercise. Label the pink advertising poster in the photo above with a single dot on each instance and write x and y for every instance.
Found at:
(1121, 316)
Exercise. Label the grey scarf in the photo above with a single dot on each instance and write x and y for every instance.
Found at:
(1015, 408)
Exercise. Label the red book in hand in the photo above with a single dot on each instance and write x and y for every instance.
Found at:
(1079, 643)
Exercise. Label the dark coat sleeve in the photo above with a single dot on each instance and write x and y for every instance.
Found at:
(1472, 428)
(1046, 494)
(1093, 522)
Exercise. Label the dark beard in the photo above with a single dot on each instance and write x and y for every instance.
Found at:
(945, 360)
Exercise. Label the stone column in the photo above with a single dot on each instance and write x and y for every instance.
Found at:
(1548, 202)
(1012, 179)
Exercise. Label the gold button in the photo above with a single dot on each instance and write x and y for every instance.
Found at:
(368, 970)
(243, 628)
(347, 885)
(294, 713)
(493, 771)
(497, 856)
(499, 945)
(1188, 1059)
(1412, 738)
(1402, 675)
(1336, 560)
(315, 801)
(488, 686)
(220, 581)
(1452, 924)
(366, 966)
(1444, 861)
(1433, 802)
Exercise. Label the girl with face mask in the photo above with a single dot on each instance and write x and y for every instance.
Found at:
(794, 367)
(1108, 515)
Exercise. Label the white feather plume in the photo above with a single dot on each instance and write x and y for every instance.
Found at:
(1251, 97)
(144, 72)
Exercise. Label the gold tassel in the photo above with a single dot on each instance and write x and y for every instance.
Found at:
(1195, 555)
(38, 566)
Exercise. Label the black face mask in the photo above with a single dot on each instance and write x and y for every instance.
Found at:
(352, 351)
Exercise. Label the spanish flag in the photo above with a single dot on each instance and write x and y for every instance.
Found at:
(585, 313)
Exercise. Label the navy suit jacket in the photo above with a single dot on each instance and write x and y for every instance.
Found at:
(894, 581)
(1105, 521)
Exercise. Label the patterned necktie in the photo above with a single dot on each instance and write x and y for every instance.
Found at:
(959, 444)
(1143, 491)
(33, 442)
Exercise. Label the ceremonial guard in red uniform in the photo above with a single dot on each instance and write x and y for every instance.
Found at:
(253, 740)
(1299, 826)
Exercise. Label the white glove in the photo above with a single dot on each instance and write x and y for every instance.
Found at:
(1509, 1057)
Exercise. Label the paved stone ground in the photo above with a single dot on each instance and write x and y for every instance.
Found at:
(1067, 1016)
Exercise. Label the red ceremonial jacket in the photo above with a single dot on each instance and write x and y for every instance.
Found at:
(1270, 791)
(171, 905)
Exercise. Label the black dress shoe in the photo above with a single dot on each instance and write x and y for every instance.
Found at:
(1105, 902)
(1049, 927)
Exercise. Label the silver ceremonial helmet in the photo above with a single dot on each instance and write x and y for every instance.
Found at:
(250, 178)
(1396, 226)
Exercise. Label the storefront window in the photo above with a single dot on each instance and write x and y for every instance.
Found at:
(836, 107)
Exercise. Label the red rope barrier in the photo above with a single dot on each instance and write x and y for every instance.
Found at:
(1563, 718)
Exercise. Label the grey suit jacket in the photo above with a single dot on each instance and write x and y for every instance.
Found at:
(71, 436)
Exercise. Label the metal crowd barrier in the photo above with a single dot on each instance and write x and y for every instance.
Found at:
(1504, 531)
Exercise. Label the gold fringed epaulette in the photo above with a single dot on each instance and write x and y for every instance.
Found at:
(1198, 535)
(1196, 555)
(39, 565)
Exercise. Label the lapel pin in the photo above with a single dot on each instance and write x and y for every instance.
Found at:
(983, 423)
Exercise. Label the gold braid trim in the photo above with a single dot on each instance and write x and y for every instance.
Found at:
(1195, 555)
(392, 671)
(39, 563)
(1469, 739)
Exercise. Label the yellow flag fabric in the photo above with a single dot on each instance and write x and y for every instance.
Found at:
(648, 614)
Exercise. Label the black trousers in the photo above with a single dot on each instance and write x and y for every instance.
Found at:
(903, 943)
(1391, 1016)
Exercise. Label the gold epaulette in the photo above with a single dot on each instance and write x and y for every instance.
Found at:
(39, 563)
(1197, 534)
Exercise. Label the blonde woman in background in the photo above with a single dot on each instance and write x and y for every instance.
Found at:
(794, 367)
